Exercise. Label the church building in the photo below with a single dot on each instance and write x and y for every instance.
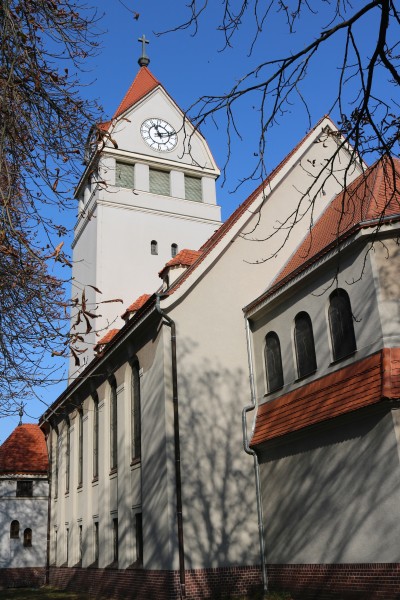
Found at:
(232, 425)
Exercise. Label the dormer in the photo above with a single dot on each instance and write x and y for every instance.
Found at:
(134, 307)
(175, 267)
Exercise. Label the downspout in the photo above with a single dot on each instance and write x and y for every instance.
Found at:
(250, 451)
(178, 480)
(47, 572)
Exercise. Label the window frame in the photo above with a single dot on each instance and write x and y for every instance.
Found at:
(154, 185)
(128, 176)
(343, 342)
(28, 537)
(80, 448)
(304, 344)
(113, 425)
(95, 465)
(14, 529)
(276, 351)
(136, 442)
(24, 488)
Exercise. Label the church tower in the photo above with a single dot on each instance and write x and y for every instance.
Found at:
(147, 192)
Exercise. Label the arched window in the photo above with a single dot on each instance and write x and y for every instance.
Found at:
(304, 344)
(153, 247)
(113, 425)
(14, 530)
(135, 412)
(341, 324)
(28, 537)
(174, 250)
(95, 436)
(273, 362)
(80, 448)
(67, 455)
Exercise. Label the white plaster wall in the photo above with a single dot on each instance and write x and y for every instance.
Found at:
(191, 148)
(141, 487)
(386, 262)
(31, 513)
(220, 522)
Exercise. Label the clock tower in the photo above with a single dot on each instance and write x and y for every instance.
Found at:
(147, 192)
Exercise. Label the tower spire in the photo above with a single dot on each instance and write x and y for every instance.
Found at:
(144, 59)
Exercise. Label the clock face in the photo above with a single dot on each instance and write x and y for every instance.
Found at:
(159, 134)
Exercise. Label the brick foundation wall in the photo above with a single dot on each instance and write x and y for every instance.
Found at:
(337, 582)
(26, 577)
(140, 584)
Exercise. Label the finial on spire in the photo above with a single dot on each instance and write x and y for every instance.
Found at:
(21, 413)
(144, 59)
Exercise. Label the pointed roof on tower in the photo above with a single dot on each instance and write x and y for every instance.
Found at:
(143, 83)
(24, 451)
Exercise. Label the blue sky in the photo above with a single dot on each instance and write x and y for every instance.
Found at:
(190, 67)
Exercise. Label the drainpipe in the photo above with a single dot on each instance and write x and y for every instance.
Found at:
(250, 451)
(178, 480)
(47, 572)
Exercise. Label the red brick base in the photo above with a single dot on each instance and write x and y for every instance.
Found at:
(140, 584)
(27, 577)
(337, 582)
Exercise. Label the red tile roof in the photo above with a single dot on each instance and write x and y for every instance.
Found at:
(105, 339)
(184, 258)
(220, 233)
(366, 199)
(363, 383)
(24, 451)
(143, 83)
(139, 302)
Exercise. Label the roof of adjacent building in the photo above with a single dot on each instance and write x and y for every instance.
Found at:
(24, 451)
(184, 258)
(363, 383)
(368, 201)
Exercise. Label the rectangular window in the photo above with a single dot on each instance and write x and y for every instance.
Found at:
(67, 459)
(125, 175)
(115, 540)
(159, 182)
(57, 461)
(193, 188)
(135, 412)
(95, 438)
(80, 543)
(96, 542)
(80, 450)
(139, 538)
(24, 489)
(67, 544)
(114, 425)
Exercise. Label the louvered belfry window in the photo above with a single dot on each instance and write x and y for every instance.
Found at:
(159, 182)
(125, 175)
(193, 188)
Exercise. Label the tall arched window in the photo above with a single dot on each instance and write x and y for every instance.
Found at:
(14, 530)
(304, 344)
(28, 537)
(67, 455)
(135, 412)
(95, 436)
(174, 250)
(341, 324)
(80, 448)
(153, 247)
(113, 425)
(273, 362)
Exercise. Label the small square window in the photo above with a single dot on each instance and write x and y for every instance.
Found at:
(24, 489)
